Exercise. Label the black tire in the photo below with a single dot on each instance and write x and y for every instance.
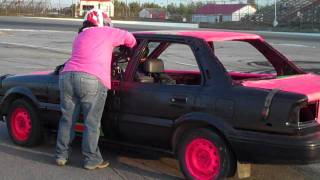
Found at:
(206, 147)
(23, 124)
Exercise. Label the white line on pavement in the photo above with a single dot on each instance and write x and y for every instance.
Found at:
(24, 149)
(288, 33)
(186, 64)
(294, 45)
(36, 47)
(37, 30)
(27, 150)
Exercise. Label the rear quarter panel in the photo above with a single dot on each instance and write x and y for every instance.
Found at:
(249, 104)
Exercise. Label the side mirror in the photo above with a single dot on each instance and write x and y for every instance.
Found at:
(58, 69)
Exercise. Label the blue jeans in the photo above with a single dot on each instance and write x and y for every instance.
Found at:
(81, 92)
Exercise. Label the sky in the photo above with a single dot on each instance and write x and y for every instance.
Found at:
(164, 2)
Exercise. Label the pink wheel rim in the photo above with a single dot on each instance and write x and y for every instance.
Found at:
(20, 124)
(202, 159)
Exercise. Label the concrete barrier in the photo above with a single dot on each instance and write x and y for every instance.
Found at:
(296, 34)
(162, 24)
(315, 36)
(145, 23)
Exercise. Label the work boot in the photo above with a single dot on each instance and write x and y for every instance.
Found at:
(61, 162)
(102, 165)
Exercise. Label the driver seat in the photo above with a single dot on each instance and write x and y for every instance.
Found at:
(155, 69)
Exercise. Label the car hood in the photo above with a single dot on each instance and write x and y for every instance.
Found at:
(40, 73)
(307, 84)
(28, 78)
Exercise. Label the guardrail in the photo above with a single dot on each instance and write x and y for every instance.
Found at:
(163, 24)
(314, 36)
(145, 23)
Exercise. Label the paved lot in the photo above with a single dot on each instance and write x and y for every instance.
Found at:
(126, 164)
(38, 163)
(25, 51)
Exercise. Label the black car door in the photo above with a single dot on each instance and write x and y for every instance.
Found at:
(148, 110)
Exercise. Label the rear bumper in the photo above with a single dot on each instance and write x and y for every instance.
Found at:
(256, 147)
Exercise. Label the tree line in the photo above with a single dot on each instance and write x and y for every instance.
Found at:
(132, 9)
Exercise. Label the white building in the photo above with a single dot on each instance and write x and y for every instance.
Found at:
(214, 13)
(105, 5)
(154, 13)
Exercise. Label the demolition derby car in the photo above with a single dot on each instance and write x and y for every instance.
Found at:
(198, 94)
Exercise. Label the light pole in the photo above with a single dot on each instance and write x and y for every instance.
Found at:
(59, 7)
(73, 9)
(275, 22)
(126, 8)
(167, 16)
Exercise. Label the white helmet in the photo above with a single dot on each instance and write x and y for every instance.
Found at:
(98, 18)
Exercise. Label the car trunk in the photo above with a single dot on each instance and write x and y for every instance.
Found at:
(306, 84)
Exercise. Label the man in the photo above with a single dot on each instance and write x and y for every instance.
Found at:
(84, 83)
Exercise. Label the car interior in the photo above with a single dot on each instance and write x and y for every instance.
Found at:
(153, 66)
(156, 66)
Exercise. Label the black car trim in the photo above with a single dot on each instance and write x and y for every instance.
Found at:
(50, 106)
(267, 103)
(257, 147)
(148, 120)
(276, 139)
(1, 98)
(142, 147)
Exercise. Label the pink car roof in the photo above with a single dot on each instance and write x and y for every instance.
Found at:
(209, 35)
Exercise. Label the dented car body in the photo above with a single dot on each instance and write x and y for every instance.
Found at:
(225, 116)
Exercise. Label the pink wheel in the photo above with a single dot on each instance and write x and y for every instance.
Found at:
(204, 155)
(202, 159)
(20, 124)
(23, 123)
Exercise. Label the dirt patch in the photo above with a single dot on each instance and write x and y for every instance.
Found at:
(3, 33)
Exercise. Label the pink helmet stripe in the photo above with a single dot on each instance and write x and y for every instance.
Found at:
(97, 17)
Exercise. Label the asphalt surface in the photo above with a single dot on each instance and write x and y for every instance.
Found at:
(28, 45)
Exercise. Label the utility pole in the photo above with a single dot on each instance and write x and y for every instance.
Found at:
(167, 13)
(275, 21)
(72, 7)
(126, 8)
(129, 9)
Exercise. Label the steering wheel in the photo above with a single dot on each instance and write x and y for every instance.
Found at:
(120, 57)
(121, 54)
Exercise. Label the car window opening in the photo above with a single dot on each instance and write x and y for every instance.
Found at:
(247, 61)
(168, 64)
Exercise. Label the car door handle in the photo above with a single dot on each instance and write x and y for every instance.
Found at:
(179, 100)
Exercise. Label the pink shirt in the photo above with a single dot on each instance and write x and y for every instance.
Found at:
(92, 51)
